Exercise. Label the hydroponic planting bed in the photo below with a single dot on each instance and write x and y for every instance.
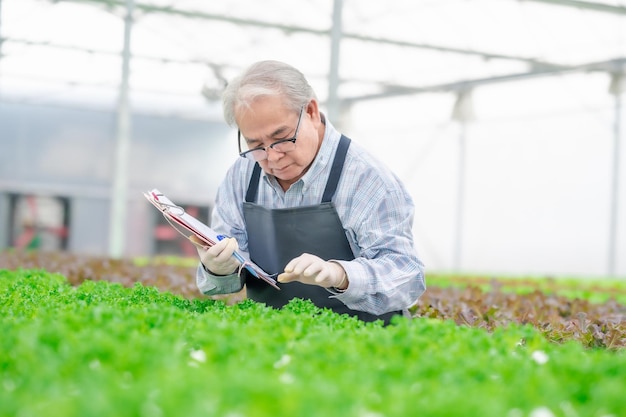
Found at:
(590, 311)
(83, 346)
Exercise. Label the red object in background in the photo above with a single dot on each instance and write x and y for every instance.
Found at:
(30, 236)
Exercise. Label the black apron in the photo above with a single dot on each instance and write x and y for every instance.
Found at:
(276, 236)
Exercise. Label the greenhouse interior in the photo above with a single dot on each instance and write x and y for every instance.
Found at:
(504, 118)
(463, 254)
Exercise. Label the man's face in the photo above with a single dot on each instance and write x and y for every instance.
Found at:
(268, 121)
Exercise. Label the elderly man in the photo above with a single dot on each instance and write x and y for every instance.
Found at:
(308, 205)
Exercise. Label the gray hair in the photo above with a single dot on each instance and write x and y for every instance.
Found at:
(266, 79)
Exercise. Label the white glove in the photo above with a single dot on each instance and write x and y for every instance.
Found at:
(312, 270)
(218, 259)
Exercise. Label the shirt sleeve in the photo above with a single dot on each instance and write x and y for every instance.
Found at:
(210, 284)
(377, 213)
(227, 215)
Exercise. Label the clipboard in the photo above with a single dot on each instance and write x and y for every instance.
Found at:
(185, 223)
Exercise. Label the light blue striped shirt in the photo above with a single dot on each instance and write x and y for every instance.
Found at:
(376, 212)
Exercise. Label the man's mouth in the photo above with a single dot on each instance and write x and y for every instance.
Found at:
(278, 170)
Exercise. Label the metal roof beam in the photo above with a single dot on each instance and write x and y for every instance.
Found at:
(598, 7)
(612, 66)
(105, 52)
(195, 14)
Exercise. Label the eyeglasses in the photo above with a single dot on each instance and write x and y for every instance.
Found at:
(282, 146)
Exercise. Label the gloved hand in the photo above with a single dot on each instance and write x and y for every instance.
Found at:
(218, 259)
(312, 270)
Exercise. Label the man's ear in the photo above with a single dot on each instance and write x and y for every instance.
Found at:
(313, 110)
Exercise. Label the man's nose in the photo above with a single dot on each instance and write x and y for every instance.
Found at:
(273, 154)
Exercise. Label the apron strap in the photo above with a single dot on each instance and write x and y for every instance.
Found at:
(331, 184)
(335, 171)
(253, 186)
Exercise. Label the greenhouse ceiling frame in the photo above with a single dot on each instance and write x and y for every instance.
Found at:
(616, 68)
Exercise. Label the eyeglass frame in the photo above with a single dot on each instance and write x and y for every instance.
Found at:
(278, 142)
